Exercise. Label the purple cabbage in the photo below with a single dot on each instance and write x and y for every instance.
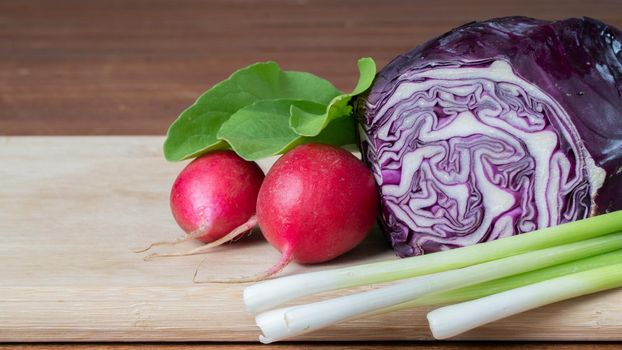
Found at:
(494, 129)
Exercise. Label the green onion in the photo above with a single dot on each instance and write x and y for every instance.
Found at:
(287, 322)
(500, 285)
(452, 320)
(269, 294)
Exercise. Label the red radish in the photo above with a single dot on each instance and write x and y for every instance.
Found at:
(213, 199)
(316, 203)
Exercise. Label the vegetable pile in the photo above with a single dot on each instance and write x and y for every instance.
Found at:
(316, 203)
(494, 129)
(491, 131)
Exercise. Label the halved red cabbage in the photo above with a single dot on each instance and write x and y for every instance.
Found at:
(494, 129)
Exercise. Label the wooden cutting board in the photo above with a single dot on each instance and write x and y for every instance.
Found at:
(73, 208)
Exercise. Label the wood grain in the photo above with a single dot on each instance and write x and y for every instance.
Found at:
(325, 346)
(72, 209)
(71, 67)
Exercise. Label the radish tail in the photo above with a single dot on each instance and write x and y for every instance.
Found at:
(181, 239)
(248, 225)
(286, 258)
(191, 235)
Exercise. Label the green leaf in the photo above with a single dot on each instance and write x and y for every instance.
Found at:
(195, 130)
(311, 124)
(262, 129)
(339, 132)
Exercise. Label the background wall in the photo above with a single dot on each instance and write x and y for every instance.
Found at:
(129, 67)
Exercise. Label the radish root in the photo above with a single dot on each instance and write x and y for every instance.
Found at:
(192, 235)
(286, 258)
(247, 226)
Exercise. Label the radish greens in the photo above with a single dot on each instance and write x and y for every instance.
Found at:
(261, 111)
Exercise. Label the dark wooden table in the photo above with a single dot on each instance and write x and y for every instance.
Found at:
(115, 67)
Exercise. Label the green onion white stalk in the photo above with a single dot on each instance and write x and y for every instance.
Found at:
(288, 322)
(452, 320)
(269, 294)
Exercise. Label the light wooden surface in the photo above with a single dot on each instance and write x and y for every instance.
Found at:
(327, 346)
(73, 208)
